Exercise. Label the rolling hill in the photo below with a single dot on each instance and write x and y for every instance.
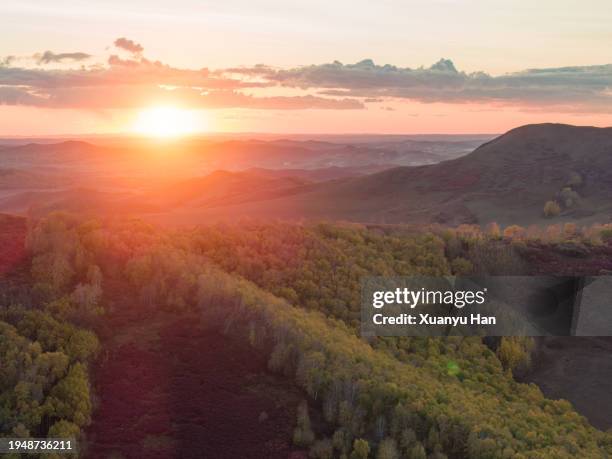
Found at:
(507, 180)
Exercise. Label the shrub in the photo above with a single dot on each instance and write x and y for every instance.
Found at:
(551, 209)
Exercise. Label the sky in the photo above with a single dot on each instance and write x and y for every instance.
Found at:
(404, 67)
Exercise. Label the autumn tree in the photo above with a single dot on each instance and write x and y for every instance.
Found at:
(361, 449)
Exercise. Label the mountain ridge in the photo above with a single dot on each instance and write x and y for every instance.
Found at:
(507, 180)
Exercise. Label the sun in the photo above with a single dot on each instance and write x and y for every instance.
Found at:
(166, 122)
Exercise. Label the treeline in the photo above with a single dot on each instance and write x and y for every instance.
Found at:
(44, 353)
(404, 398)
(495, 251)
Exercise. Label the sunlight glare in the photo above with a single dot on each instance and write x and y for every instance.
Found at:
(166, 122)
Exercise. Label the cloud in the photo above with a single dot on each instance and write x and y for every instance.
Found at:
(585, 88)
(233, 99)
(49, 57)
(16, 96)
(6, 61)
(128, 45)
(134, 81)
(138, 83)
(126, 97)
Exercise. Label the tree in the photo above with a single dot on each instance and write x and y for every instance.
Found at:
(387, 449)
(460, 266)
(569, 197)
(82, 345)
(86, 298)
(303, 434)
(515, 351)
(514, 232)
(63, 429)
(551, 209)
(361, 449)
(407, 439)
(67, 430)
(493, 230)
(570, 230)
(417, 452)
(322, 449)
(69, 399)
(341, 440)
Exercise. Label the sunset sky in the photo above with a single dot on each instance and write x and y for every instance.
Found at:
(435, 66)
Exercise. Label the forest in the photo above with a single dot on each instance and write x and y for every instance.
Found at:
(292, 292)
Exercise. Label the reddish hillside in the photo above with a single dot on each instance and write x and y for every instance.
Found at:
(12, 241)
(169, 387)
(507, 180)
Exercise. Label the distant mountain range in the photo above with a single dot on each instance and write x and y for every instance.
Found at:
(508, 179)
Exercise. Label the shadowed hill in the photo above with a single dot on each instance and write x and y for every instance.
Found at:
(507, 180)
(223, 187)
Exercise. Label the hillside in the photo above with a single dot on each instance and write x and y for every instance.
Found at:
(226, 337)
(507, 180)
(140, 176)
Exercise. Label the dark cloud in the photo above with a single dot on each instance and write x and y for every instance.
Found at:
(49, 57)
(129, 45)
(122, 97)
(17, 96)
